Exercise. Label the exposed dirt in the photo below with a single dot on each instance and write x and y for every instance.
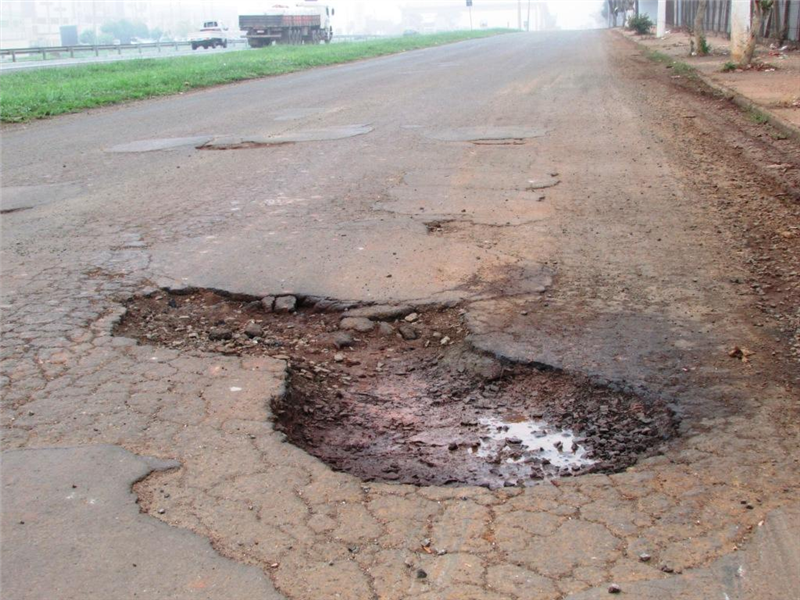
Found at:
(408, 401)
(750, 173)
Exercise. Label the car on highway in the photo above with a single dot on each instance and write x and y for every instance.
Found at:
(211, 35)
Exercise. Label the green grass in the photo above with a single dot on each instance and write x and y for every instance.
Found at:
(678, 67)
(36, 94)
(757, 116)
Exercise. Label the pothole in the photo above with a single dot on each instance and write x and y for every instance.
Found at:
(509, 142)
(395, 393)
(494, 135)
(241, 144)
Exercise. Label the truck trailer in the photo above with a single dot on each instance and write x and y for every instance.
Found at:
(306, 23)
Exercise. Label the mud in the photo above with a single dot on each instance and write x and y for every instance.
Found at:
(409, 401)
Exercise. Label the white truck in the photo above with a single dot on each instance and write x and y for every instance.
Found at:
(211, 35)
(304, 23)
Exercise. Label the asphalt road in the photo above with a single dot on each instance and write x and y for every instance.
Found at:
(547, 183)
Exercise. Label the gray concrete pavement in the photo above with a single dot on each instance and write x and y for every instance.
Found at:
(72, 529)
(620, 268)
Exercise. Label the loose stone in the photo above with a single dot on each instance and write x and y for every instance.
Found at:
(253, 330)
(408, 332)
(342, 339)
(360, 324)
(268, 303)
(220, 333)
(285, 304)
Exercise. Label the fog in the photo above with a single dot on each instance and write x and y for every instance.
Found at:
(38, 23)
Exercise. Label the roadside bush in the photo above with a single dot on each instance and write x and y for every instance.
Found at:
(729, 66)
(641, 24)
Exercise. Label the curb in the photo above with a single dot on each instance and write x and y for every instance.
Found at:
(742, 101)
(785, 127)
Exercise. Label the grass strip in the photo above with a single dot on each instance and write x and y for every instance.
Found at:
(677, 66)
(40, 93)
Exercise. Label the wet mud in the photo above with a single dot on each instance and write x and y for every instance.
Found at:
(397, 394)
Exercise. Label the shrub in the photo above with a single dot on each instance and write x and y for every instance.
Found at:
(641, 24)
(729, 66)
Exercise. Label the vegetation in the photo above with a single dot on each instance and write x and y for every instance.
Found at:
(729, 66)
(757, 116)
(36, 94)
(641, 24)
(678, 67)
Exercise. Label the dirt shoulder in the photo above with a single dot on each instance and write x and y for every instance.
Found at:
(772, 85)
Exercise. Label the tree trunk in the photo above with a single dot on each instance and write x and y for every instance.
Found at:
(761, 6)
(784, 32)
(699, 28)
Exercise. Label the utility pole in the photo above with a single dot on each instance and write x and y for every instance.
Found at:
(661, 19)
(529, 16)
(519, 15)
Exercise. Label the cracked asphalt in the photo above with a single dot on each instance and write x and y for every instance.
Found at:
(625, 268)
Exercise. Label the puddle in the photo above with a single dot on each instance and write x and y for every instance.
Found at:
(525, 441)
(402, 397)
(501, 135)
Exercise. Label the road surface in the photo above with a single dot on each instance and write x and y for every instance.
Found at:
(584, 208)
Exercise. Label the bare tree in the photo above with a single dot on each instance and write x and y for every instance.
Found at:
(699, 46)
(762, 8)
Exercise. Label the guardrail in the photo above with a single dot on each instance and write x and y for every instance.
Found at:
(96, 48)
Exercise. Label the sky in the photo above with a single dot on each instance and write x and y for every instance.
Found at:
(571, 14)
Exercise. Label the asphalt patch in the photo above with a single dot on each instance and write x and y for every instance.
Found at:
(402, 397)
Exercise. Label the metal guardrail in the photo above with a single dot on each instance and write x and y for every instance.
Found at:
(96, 48)
(72, 50)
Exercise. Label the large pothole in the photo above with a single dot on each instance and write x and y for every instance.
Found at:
(402, 397)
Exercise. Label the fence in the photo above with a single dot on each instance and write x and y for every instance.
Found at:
(71, 51)
(782, 23)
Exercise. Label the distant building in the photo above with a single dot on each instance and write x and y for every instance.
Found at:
(26, 23)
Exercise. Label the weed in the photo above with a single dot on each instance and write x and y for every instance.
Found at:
(729, 66)
(640, 24)
(757, 116)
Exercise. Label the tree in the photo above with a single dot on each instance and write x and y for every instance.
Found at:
(699, 33)
(156, 33)
(762, 8)
(87, 37)
(123, 30)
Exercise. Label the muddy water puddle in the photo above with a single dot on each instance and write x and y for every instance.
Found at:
(395, 393)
